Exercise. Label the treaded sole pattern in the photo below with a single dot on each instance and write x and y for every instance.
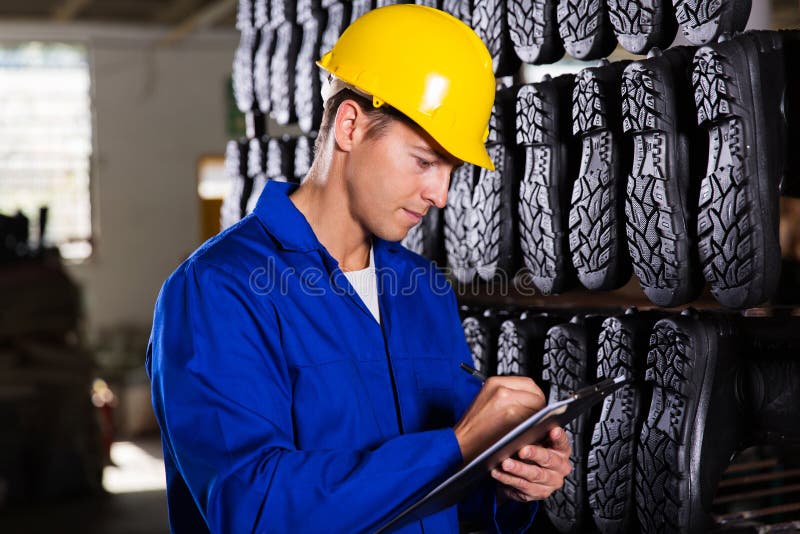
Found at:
(533, 29)
(703, 21)
(642, 24)
(511, 351)
(738, 247)
(656, 225)
(584, 28)
(565, 369)
(543, 224)
(457, 214)
(594, 216)
(661, 470)
(489, 221)
(479, 342)
(610, 468)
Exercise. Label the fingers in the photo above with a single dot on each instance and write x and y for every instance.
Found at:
(527, 482)
(546, 458)
(559, 441)
(520, 389)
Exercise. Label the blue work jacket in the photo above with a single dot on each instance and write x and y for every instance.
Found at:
(284, 406)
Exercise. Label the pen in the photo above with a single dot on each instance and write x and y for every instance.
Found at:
(474, 372)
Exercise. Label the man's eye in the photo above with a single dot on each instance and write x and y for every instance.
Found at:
(424, 163)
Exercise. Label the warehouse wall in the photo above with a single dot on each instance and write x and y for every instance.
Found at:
(157, 110)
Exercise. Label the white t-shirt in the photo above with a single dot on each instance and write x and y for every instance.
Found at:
(365, 283)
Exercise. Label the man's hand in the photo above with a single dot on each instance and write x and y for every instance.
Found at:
(539, 471)
(502, 403)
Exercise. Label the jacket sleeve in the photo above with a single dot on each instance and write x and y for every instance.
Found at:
(222, 393)
(481, 508)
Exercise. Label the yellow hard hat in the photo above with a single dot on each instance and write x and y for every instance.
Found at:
(428, 65)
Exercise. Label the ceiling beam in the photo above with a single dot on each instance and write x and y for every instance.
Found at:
(204, 18)
(67, 10)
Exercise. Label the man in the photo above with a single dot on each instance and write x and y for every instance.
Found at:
(304, 365)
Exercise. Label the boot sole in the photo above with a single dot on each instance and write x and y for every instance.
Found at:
(533, 29)
(566, 364)
(738, 208)
(545, 186)
(703, 21)
(658, 220)
(596, 232)
(610, 473)
(585, 29)
(457, 213)
(665, 468)
(642, 24)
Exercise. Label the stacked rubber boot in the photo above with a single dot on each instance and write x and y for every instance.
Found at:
(570, 353)
(694, 425)
(234, 204)
(664, 177)
(457, 217)
(520, 346)
(544, 136)
(533, 29)
(622, 350)
(493, 220)
(739, 86)
(596, 219)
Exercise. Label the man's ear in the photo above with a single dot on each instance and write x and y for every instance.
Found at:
(349, 125)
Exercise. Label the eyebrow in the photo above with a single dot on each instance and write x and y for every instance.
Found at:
(443, 157)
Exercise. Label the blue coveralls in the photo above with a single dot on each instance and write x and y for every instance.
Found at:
(285, 407)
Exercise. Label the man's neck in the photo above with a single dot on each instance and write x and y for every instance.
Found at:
(325, 206)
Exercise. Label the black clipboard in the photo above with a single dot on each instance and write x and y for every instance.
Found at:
(532, 430)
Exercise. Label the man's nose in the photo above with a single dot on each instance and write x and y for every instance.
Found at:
(436, 190)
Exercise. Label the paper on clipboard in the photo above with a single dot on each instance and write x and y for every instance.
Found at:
(532, 430)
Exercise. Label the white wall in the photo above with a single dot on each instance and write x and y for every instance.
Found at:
(156, 111)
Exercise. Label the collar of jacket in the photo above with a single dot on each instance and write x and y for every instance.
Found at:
(290, 228)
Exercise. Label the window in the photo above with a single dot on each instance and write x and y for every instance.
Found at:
(46, 142)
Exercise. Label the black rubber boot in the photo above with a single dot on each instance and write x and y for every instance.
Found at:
(307, 98)
(460, 254)
(336, 20)
(569, 360)
(235, 201)
(245, 14)
(460, 9)
(533, 28)
(261, 61)
(520, 346)
(694, 425)
(279, 159)
(738, 87)
(544, 135)
(623, 345)
(490, 22)
(242, 75)
(282, 71)
(643, 24)
(493, 219)
(256, 170)
(597, 239)
(303, 157)
(702, 21)
(660, 205)
(480, 331)
(585, 28)
(360, 7)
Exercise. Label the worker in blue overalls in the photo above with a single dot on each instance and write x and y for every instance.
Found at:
(304, 365)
